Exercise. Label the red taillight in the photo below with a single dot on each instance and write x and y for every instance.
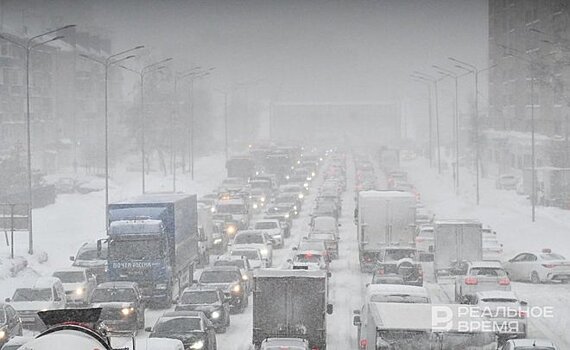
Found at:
(471, 281)
(505, 281)
(523, 314)
(549, 266)
(363, 343)
(315, 348)
(419, 239)
(380, 271)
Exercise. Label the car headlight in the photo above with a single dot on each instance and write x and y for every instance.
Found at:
(254, 205)
(286, 216)
(306, 184)
(294, 207)
(301, 196)
(80, 291)
(215, 315)
(309, 178)
(161, 286)
(263, 251)
(287, 177)
(197, 345)
(244, 277)
(236, 288)
(127, 311)
(313, 174)
(262, 199)
(231, 229)
(2, 334)
(218, 241)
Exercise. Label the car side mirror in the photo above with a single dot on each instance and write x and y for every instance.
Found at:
(329, 309)
(523, 303)
(294, 248)
(356, 320)
(339, 225)
(57, 298)
(148, 329)
(367, 284)
(7, 300)
(72, 258)
(329, 274)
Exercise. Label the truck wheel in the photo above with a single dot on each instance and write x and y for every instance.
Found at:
(534, 278)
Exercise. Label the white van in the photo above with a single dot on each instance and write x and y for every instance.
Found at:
(47, 293)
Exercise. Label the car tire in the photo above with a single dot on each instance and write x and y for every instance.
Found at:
(534, 277)
(228, 320)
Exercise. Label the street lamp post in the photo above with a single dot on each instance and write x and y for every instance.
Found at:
(107, 62)
(476, 71)
(455, 77)
(434, 81)
(29, 46)
(153, 67)
(430, 131)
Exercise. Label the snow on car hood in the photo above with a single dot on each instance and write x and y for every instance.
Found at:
(32, 305)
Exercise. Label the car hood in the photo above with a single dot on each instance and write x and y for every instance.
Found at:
(273, 232)
(222, 286)
(32, 305)
(186, 338)
(90, 263)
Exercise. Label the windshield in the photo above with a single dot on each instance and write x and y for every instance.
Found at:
(250, 254)
(487, 271)
(91, 254)
(399, 254)
(70, 276)
(552, 256)
(178, 325)
(266, 225)
(30, 294)
(200, 297)
(219, 277)
(248, 238)
(308, 258)
(107, 295)
(148, 249)
(238, 263)
(231, 208)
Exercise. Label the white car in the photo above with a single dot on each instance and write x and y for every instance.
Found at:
(253, 255)
(532, 344)
(481, 276)
(255, 239)
(273, 228)
(77, 283)
(308, 260)
(284, 343)
(424, 238)
(505, 310)
(538, 267)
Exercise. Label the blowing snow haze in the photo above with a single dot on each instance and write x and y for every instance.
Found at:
(302, 50)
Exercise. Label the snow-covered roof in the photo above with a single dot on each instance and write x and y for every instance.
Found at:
(278, 273)
(155, 198)
(456, 222)
(46, 282)
(385, 194)
(388, 289)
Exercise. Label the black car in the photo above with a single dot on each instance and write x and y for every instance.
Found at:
(122, 304)
(10, 323)
(211, 301)
(192, 328)
(230, 280)
(402, 261)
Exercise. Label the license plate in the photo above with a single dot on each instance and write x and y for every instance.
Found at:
(28, 319)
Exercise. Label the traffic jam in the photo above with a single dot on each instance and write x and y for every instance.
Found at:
(264, 260)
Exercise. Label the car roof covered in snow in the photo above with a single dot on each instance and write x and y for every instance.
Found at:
(46, 282)
(487, 264)
(385, 194)
(278, 273)
(389, 289)
(456, 222)
(155, 198)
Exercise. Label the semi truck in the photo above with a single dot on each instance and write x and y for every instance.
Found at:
(291, 304)
(383, 218)
(153, 240)
(455, 243)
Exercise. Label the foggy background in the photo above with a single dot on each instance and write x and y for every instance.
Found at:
(302, 50)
